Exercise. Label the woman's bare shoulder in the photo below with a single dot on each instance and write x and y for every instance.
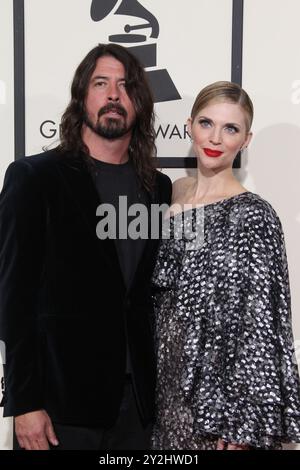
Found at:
(181, 185)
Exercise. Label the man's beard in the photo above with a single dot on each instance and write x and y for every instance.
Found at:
(114, 128)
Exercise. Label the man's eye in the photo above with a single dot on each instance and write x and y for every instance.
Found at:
(100, 84)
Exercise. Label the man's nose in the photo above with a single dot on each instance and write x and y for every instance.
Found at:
(113, 92)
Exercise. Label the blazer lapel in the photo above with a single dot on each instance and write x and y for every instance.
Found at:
(149, 245)
(79, 182)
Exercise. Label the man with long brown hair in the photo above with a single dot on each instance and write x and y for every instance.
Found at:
(75, 308)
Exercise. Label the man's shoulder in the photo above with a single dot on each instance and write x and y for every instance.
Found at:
(163, 179)
(164, 185)
(40, 165)
(41, 169)
(39, 160)
(32, 164)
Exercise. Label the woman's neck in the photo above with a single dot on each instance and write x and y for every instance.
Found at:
(210, 186)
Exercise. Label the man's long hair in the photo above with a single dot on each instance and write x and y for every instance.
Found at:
(142, 149)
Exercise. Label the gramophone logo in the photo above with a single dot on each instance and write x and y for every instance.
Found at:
(160, 81)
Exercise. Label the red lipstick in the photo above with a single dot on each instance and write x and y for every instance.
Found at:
(212, 153)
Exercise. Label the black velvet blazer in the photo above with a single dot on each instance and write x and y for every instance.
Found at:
(64, 310)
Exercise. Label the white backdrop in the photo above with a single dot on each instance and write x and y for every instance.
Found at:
(60, 33)
(194, 45)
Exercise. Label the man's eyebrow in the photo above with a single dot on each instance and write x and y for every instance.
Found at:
(97, 77)
(104, 77)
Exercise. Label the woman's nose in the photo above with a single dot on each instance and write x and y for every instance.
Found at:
(215, 137)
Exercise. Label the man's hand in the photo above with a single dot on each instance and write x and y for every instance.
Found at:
(222, 445)
(34, 431)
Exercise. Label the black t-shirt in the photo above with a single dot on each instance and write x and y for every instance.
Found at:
(113, 181)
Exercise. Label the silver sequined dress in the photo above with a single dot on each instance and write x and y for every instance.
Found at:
(226, 362)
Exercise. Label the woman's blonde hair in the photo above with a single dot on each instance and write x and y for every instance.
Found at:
(226, 92)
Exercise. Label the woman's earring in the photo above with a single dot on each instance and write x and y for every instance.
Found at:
(191, 140)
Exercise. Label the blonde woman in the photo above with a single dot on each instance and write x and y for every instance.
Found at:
(227, 377)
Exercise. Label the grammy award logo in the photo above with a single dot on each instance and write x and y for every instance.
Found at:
(162, 86)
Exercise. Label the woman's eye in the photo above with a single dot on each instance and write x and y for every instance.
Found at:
(232, 129)
(204, 123)
(100, 84)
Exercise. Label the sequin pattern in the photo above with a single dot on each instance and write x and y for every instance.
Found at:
(226, 363)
